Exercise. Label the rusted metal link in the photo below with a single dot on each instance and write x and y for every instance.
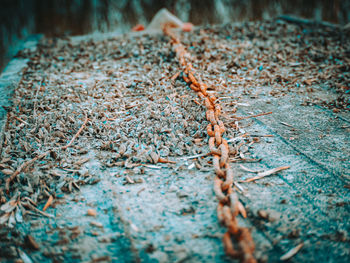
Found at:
(193, 79)
(229, 205)
(211, 117)
(247, 238)
(200, 95)
(212, 148)
(186, 79)
(194, 87)
(224, 152)
(229, 178)
(188, 68)
(204, 88)
(228, 245)
(182, 62)
(217, 134)
(216, 163)
(220, 212)
(208, 104)
(229, 221)
(228, 218)
(246, 245)
(210, 131)
(222, 127)
(217, 110)
(217, 190)
(212, 98)
(234, 204)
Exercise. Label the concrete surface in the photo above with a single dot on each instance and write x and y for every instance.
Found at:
(169, 213)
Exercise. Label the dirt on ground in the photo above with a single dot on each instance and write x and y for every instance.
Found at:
(121, 168)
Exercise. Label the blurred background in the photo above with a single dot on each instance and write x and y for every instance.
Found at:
(21, 18)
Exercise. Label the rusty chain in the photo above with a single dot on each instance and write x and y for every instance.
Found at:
(229, 206)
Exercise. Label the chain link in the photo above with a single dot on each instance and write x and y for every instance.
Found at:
(229, 205)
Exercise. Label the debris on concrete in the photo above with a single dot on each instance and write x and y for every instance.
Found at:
(89, 116)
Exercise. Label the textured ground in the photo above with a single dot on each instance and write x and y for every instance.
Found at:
(160, 212)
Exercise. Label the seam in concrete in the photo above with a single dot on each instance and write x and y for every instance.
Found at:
(312, 161)
(330, 113)
(320, 165)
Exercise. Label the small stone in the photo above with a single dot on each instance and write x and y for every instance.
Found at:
(263, 214)
(295, 233)
(31, 243)
(91, 212)
(159, 256)
(172, 188)
(197, 141)
(181, 194)
(96, 224)
(273, 215)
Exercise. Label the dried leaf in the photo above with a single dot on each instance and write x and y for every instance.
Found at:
(129, 180)
(48, 203)
(9, 206)
(18, 215)
(155, 157)
(12, 220)
(96, 224)
(152, 166)
(7, 171)
(81, 161)
(4, 218)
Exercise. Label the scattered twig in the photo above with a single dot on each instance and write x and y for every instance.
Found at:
(194, 156)
(286, 124)
(24, 166)
(36, 98)
(246, 160)
(163, 160)
(253, 116)
(242, 209)
(48, 203)
(197, 102)
(76, 135)
(30, 206)
(262, 135)
(248, 170)
(291, 252)
(266, 173)
(175, 76)
(30, 162)
(152, 166)
(19, 119)
(139, 191)
(239, 187)
(70, 170)
(129, 180)
(236, 138)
